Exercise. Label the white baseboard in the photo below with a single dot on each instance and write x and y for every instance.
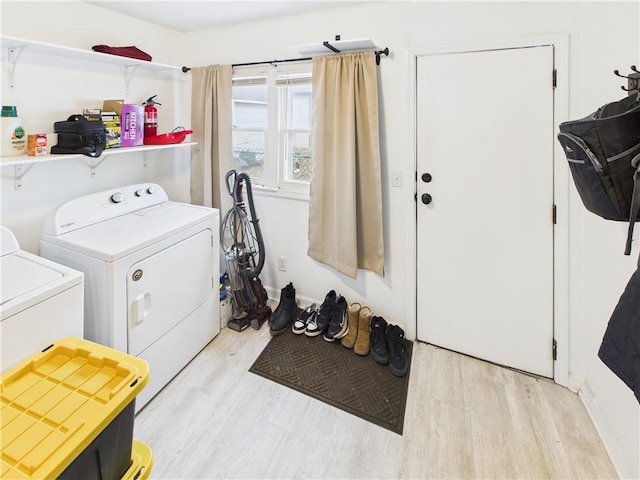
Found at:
(609, 440)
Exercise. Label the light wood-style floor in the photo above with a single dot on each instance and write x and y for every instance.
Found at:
(465, 418)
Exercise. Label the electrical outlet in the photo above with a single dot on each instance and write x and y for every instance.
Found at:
(282, 264)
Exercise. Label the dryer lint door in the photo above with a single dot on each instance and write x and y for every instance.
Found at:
(165, 288)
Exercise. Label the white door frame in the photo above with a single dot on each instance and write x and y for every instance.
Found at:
(561, 181)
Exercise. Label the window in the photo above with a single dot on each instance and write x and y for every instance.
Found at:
(272, 125)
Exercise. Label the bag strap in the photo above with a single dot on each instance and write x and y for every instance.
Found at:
(100, 149)
(635, 204)
(77, 118)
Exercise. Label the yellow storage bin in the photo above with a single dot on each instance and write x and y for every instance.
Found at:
(58, 401)
(141, 462)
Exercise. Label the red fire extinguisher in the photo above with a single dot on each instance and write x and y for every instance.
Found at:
(150, 118)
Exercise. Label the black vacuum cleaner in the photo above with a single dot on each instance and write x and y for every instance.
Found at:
(241, 240)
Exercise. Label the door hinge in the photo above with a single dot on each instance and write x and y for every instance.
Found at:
(554, 349)
(554, 214)
(554, 78)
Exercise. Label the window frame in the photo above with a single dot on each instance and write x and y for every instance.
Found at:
(274, 163)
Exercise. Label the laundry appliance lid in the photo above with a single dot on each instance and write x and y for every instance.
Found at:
(21, 275)
(27, 279)
(115, 238)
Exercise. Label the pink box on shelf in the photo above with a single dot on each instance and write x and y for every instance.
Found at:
(132, 123)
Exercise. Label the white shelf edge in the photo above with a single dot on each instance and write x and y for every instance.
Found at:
(26, 160)
(78, 53)
(344, 46)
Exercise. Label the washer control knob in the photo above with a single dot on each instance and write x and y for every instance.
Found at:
(151, 190)
(139, 192)
(117, 197)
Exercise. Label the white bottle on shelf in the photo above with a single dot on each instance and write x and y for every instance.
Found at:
(13, 136)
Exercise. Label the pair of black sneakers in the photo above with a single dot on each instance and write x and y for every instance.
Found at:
(331, 320)
(388, 346)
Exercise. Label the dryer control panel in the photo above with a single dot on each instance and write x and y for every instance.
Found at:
(98, 207)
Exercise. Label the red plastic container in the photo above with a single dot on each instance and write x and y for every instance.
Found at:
(168, 138)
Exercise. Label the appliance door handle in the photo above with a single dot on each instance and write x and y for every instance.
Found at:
(140, 307)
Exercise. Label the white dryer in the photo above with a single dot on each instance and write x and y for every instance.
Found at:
(41, 302)
(151, 274)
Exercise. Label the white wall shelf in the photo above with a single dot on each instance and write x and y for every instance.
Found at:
(23, 163)
(15, 46)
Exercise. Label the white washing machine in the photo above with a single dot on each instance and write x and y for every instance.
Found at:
(151, 274)
(41, 302)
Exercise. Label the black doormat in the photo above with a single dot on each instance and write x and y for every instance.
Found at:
(335, 375)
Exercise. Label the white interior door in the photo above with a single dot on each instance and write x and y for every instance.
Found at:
(485, 238)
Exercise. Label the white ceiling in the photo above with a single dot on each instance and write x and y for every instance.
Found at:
(189, 16)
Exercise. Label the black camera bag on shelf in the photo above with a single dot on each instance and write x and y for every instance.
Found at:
(79, 135)
(603, 151)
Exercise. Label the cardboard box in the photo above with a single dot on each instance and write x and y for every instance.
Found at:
(37, 144)
(113, 106)
(132, 125)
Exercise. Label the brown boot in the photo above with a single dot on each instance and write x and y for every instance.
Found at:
(349, 339)
(363, 342)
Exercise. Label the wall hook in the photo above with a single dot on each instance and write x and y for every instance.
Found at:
(633, 80)
(617, 73)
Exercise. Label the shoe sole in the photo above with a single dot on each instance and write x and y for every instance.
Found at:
(313, 334)
(278, 332)
(380, 360)
(298, 331)
(399, 373)
(341, 334)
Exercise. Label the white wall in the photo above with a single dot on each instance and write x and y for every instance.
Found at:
(602, 36)
(49, 88)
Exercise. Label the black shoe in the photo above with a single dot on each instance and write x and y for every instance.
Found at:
(339, 324)
(276, 312)
(398, 360)
(319, 324)
(286, 311)
(379, 350)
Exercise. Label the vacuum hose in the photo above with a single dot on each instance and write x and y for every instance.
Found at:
(254, 267)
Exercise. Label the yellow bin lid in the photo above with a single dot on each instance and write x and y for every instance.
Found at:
(141, 462)
(56, 402)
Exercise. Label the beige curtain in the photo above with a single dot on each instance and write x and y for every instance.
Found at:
(345, 210)
(211, 118)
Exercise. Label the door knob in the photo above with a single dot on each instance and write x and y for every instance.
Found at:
(426, 177)
(426, 198)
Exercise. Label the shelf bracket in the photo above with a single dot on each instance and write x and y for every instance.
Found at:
(14, 54)
(95, 164)
(19, 172)
(129, 70)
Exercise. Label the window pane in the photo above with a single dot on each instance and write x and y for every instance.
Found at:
(297, 151)
(248, 153)
(250, 114)
(299, 161)
(300, 98)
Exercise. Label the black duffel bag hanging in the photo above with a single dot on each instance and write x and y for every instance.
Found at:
(603, 151)
(79, 135)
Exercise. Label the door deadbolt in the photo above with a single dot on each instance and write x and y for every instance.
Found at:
(426, 177)
(137, 275)
(426, 198)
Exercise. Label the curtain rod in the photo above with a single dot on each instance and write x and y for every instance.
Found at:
(384, 52)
